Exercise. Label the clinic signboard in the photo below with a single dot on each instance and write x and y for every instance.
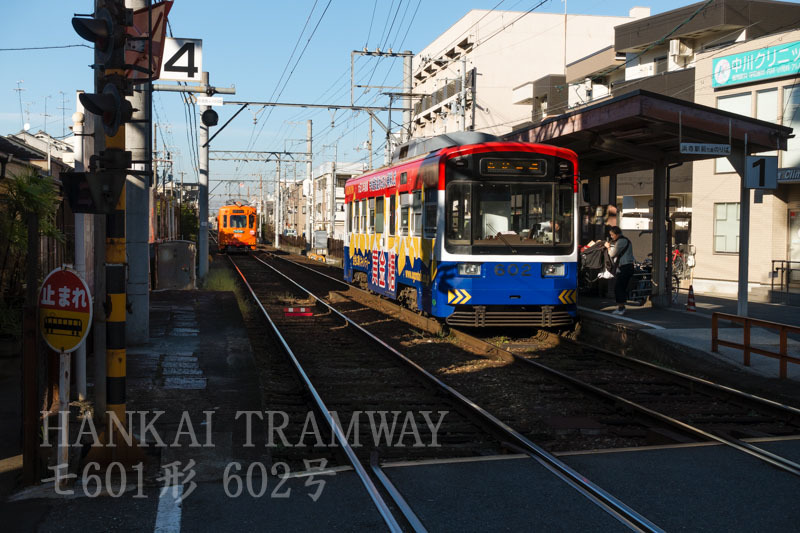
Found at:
(757, 65)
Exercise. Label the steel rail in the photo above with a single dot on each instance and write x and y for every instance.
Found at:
(600, 497)
(745, 447)
(755, 451)
(372, 490)
(402, 504)
(716, 387)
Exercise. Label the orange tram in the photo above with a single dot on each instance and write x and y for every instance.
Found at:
(236, 228)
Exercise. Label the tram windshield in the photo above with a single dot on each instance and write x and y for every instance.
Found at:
(507, 218)
(238, 221)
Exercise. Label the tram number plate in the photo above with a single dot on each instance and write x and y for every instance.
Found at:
(512, 269)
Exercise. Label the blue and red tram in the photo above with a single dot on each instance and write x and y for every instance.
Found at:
(480, 232)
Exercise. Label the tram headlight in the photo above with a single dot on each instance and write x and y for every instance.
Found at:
(469, 269)
(553, 270)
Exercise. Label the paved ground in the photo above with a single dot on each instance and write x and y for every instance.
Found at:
(198, 359)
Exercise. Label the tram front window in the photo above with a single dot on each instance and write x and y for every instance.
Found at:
(238, 221)
(509, 218)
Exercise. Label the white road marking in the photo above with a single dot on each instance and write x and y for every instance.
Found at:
(168, 518)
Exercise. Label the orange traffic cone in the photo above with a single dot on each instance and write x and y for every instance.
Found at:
(690, 306)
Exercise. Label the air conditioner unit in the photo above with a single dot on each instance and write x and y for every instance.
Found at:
(587, 84)
(678, 48)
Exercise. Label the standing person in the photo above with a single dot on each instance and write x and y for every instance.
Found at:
(621, 253)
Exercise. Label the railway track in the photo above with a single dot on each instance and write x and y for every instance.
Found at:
(343, 373)
(680, 408)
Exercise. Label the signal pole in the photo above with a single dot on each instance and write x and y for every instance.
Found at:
(202, 194)
(107, 30)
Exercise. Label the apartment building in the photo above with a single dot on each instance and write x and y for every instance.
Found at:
(492, 70)
(757, 78)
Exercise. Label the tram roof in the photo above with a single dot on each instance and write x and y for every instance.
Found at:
(637, 130)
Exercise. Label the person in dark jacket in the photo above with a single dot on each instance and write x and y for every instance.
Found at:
(621, 252)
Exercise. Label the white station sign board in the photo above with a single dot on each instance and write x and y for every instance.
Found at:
(761, 172)
(182, 60)
(210, 100)
(705, 148)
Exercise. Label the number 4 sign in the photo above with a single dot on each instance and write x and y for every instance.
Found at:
(182, 60)
(761, 172)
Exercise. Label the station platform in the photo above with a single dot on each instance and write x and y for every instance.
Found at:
(680, 338)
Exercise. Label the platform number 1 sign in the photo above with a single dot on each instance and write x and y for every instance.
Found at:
(761, 172)
(183, 60)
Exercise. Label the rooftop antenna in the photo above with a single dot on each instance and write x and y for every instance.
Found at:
(19, 90)
(45, 115)
(27, 124)
(63, 108)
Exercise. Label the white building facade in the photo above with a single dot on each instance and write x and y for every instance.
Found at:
(481, 73)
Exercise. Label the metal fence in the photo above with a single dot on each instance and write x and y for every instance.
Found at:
(785, 279)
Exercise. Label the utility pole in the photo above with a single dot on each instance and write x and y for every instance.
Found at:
(370, 142)
(277, 204)
(311, 182)
(80, 253)
(203, 149)
(137, 215)
(406, 132)
(180, 206)
(332, 207)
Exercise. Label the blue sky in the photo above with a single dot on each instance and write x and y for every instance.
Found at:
(248, 44)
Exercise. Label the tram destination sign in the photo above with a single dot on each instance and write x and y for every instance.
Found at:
(65, 310)
(755, 65)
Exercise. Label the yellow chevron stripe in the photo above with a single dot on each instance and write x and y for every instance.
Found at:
(458, 296)
(568, 296)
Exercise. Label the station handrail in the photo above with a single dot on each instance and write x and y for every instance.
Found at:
(747, 347)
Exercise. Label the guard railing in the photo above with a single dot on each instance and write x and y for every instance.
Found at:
(747, 347)
(785, 276)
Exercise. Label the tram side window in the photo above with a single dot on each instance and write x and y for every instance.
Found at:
(392, 213)
(379, 214)
(405, 200)
(372, 215)
(416, 213)
(459, 213)
(224, 221)
(252, 220)
(563, 233)
(363, 228)
(429, 219)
